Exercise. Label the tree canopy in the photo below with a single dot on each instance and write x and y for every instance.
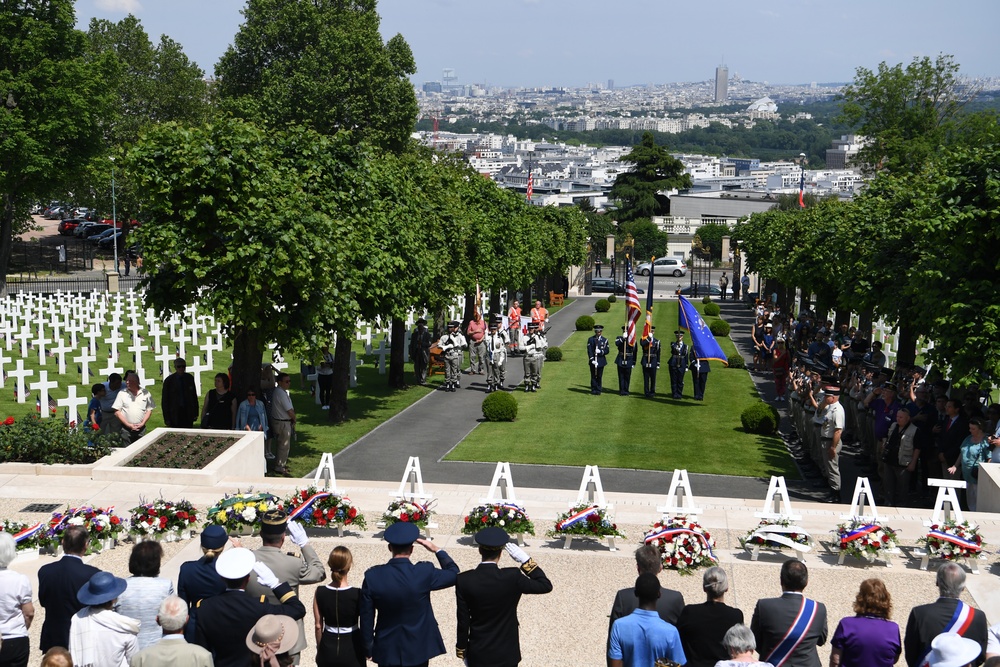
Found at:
(636, 192)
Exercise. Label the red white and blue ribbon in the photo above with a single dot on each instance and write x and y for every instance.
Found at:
(860, 532)
(306, 505)
(27, 533)
(514, 508)
(576, 518)
(786, 647)
(960, 621)
(667, 533)
(954, 539)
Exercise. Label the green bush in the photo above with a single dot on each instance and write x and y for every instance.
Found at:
(761, 418)
(706, 299)
(612, 298)
(499, 407)
(553, 354)
(719, 328)
(736, 361)
(33, 440)
(712, 309)
(602, 305)
(585, 323)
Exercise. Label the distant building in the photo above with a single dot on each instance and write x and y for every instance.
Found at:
(721, 83)
(611, 84)
(432, 86)
(844, 150)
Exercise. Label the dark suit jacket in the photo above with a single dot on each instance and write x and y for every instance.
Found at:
(400, 590)
(595, 343)
(198, 581)
(772, 618)
(669, 606)
(58, 584)
(487, 611)
(702, 627)
(950, 441)
(180, 404)
(929, 620)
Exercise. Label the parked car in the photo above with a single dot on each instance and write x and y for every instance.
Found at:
(100, 236)
(82, 227)
(53, 213)
(108, 239)
(664, 266)
(67, 227)
(95, 229)
(609, 286)
(703, 290)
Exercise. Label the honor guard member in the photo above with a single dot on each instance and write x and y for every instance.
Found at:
(452, 344)
(198, 579)
(650, 362)
(293, 570)
(678, 364)
(541, 345)
(420, 351)
(405, 631)
(699, 375)
(224, 620)
(534, 351)
(597, 352)
(625, 362)
(496, 358)
(487, 602)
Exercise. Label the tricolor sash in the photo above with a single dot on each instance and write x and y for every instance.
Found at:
(796, 633)
(667, 533)
(859, 532)
(576, 518)
(27, 533)
(307, 504)
(954, 539)
(960, 622)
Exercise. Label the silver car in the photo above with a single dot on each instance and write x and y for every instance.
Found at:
(664, 266)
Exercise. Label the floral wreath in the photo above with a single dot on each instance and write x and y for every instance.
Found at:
(313, 507)
(507, 515)
(865, 540)
(777, 534)
(586, 520)
(101, 523)
(407, 511)
(162, 516)
(684, 544)
(26, 535)
(239, 510)
(951, 540)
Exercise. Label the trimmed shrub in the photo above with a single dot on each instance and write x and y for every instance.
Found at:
(602, 305)
(736, 361)
(553, 354)
(33, 440)
(706, 299)
(761, 418)
(585, 323)
(712, 309)
(612, 298)
(719, 328)
(499, 407)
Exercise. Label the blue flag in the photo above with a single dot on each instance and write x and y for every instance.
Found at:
(705, 345)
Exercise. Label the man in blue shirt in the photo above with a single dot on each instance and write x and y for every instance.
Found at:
(642, 637)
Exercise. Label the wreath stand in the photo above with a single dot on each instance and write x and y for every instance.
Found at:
(591, 492)
(416, 494)
(326, 474)
(778, 507)
(945, 503)
(863, 495)
(502, 485)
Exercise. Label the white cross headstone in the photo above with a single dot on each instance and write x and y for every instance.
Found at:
(92, 335)
(113, 340)
(209, 347)
(19, 374)
(24, 336)
(111, 368)
(381, 351)
(84, 360)
(355, 362)
(196, 369)
(72, 402)
(3, 373)
(43, 385)
(156, 332)
(137, 348)
(165, 358)
(60, 351)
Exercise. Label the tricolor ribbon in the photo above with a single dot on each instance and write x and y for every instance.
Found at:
(306, 505)
(858, 533)
(786, 647)
(576, 518)
(777, 534)
(954, 539)
(27, 533)
(670, 532)
(515, 508)
(960, 621)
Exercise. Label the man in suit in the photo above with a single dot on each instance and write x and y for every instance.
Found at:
(180, 400)
(625, 361)
(224, 621)
(650, 362)
(643, 638)
(678, 364)
(487, 602)
(420, 351)
(946, 614)
(951, 432)
(669, 605)
(406, 633)
(58, 584)
(293, 570)
(788, 629)
(172, 650)
(597, 353)
(699, 375)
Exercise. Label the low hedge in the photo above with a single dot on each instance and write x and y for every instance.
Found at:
(736, 361)
(499, 407)
(612, 298)
(719, 328)
(706, 299)
(554, 353)
(602, 305)
(585, 323)
(31, 439)
(760, 418)
(712, 309)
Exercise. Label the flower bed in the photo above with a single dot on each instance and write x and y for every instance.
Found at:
(240, 513)
(777, 534)
(27, 536)
(103, 526)
(34, 440)
(509, 516)
(162, 517)
(407, 512)
(684, 545)
(182, 451)
(322, 508)
(951, 540)
(585, 521)
(864, 540)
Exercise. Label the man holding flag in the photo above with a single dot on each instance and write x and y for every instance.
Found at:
(704, 346)
(627, 347)
(650, 345)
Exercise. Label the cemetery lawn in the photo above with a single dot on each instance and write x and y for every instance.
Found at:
(562, 424)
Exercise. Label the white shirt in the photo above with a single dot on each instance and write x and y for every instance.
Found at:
(102, 638)
(134, 407)
(281, 403)
(15, 591)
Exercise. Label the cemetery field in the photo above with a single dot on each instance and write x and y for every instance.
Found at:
(562, 424)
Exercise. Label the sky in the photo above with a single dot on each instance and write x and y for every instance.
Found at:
(578, 42)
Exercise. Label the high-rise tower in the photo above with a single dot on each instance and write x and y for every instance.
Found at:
(721, 83)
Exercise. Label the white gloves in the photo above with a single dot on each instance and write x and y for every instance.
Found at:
(517, 553)
(265, 577)
(594, 362)
(297, 534)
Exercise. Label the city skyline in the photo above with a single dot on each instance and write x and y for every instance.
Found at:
(540, 43)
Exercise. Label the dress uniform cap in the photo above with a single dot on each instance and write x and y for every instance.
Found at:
(598, 327)
(492, 537)
(102, 587)
(831, 390)
(273, 629)
(401, 534)
(421, 321)
(273, 522)
(891, 386)
(454, 323)
(235, 563)
(679, 332)
(214, 537)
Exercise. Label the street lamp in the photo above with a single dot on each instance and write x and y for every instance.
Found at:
(114, 212)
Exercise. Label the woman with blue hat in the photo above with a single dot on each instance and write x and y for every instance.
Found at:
(99, 637)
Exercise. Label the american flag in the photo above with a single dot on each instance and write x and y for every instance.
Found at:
(531, 183)
(802, 189)
(632, 310)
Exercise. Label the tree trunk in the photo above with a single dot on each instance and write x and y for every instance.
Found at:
(843, 316)
(6, 240)
(470, 307)
(865, 318)
(396, 365)
(439, 322)
(341, 378)
(906, 345)
(495, 300)
(248, 352)
(804, 301)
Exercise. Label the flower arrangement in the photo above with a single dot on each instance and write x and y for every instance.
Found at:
(951, 540)
(509, 516)
(864, 540)
(408, 512)
(684, 544)
(777, 534)
(26, 535)
(585, 520)
(162, 516)
(102, 525)
(321, 508)
(238, 512)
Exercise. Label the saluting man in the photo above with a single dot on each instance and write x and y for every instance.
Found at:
(597, 352)
(534, 350)
(496, 358)
(452, 344)
(625, 362)
(650, 362)
(678, 364)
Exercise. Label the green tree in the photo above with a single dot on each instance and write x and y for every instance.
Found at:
(51, 104)
(654, 170)
(649, 240)
(709, 238)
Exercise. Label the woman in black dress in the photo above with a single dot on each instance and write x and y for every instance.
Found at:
(336, 609)
(220, 405)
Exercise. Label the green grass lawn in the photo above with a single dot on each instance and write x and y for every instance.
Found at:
(563, 424)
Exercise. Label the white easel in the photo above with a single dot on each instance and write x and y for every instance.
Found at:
(502, 486)
(592, 493)
(680, 498)
(946, 503)
(778, 507)
(413, 478)
(863, 496)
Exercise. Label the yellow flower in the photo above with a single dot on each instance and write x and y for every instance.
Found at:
(221, 517)
(238, 507)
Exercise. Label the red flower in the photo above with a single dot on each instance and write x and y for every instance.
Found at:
(485, 519)
(304, 495)
(708, 536)
(593, 518)
(317, 514)
(8, 421)
(353, 512)
(98, 527)
(885, 539)
(406, 517)
(163, 521)
(794, 536)
(466, 519)
(182, 515)
(321, 522)
(115, 521)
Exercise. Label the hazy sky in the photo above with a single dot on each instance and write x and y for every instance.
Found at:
(575, 42)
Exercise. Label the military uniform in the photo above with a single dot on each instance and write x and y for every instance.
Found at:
(452, 344)
(420, 350)
(678, 365)
(650, 363)
(699, 375)
(597, 353)
(496, 359)
(534, 351)
(625, 362)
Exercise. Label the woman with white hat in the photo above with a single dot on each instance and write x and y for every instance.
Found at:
(99, 637)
